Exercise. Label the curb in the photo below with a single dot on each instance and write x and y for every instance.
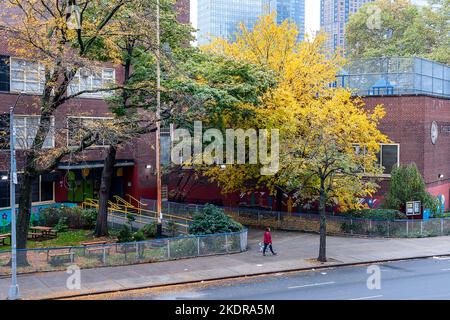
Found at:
(322, 267)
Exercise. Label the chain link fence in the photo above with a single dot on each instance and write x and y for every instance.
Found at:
(336, 225)
(118, 254)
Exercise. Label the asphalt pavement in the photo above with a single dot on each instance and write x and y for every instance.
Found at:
(406, 280)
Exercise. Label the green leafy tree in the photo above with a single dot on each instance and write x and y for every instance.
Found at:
(213, 220)
(400, 28)
(406, 185)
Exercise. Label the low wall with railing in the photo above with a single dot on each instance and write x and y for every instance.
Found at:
(117, 254)
(336, 225)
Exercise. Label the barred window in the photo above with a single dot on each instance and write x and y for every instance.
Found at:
(86, 80)
(27, 76)
(26, 128)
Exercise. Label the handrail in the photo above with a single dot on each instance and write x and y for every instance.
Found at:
(130, 197)
(121, 200)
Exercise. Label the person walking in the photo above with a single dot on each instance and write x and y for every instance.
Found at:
(268, 242)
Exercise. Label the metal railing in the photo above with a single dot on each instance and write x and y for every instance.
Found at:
(310, 222)
(59, 258)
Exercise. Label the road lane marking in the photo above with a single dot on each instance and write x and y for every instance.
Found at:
(312, 285)
(366, 298)
(448, 269)
(441, 258)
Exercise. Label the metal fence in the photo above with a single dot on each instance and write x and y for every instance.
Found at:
(336, 225)
(117, 254)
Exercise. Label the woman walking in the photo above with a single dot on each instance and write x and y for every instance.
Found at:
(268, 242)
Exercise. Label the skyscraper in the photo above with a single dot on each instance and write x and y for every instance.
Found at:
(221, 18)
(334, 15)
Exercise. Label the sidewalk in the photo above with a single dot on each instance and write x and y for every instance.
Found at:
(295, 251)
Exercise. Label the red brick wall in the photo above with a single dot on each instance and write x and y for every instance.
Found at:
(408, 122)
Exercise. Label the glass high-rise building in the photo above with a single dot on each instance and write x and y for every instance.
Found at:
(221, 18)
(334, 15)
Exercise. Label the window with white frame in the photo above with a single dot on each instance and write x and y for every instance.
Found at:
(26, 128)
(80, 127)
(27, 76)
(86, 80)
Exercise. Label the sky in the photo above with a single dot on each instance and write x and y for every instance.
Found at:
(312, 15)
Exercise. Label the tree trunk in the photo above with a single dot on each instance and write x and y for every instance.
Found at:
(101, 228)
(323, 225)
(23, 218)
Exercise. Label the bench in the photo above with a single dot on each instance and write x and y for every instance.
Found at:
(56, 257)
(52, 233)
(93, 243)
(35, 235)
(3, 237)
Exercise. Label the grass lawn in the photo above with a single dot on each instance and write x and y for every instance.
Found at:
(69, 238)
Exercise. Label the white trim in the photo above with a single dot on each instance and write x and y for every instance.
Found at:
(51, 132)
(95, 95)
(38, 82)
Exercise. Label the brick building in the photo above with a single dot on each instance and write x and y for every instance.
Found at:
(77, 177)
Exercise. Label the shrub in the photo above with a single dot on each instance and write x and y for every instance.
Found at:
(171, 228)
(387, 214)
(61, 226)
(138, 236)
(125, 234)
(150, 230)
(213, 220)
(407, 184)
(75, 217)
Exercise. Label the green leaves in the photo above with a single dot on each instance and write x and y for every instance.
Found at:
(406, 185)
(405, 30)
(213, 220)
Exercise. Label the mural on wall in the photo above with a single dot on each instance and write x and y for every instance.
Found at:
(441, 205)
(370, 203)
(5, 214)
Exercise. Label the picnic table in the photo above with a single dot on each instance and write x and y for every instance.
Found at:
(5, 236)
(42, 232)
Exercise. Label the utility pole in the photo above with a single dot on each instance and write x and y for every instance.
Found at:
(13, 293)
(158, 123)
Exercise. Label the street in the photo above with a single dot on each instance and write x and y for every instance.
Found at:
(406, 280)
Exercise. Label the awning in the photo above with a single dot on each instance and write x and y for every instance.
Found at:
(93, 164)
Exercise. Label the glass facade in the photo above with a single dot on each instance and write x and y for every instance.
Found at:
(399, 76)
(334, 15)
(221, 18)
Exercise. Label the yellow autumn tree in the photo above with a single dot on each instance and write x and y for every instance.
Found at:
(328, 140)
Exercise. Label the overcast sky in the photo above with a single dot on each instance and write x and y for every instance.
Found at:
(312, 15)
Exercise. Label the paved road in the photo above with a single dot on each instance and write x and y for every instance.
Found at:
(417, 279)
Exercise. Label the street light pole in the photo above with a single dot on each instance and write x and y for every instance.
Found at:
(13, 293)
(158, 123)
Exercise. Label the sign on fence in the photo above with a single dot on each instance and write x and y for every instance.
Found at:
(413, 208)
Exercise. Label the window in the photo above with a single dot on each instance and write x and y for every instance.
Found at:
(42, 191)
(389, 157)
(26, 128)
(4, 73)
(27, 76)
(80, 127)
(85, 80)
